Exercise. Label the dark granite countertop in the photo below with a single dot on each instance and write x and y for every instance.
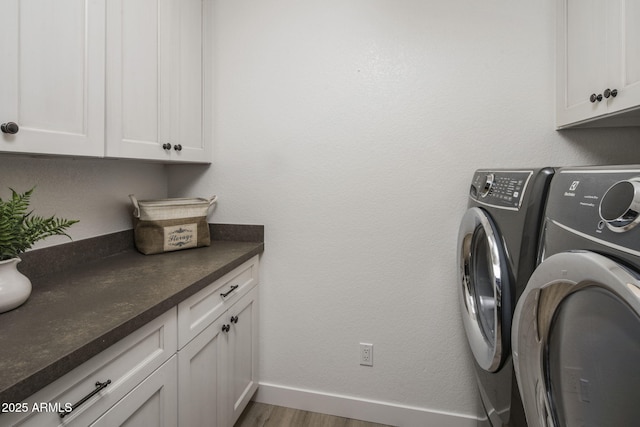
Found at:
(78, 309)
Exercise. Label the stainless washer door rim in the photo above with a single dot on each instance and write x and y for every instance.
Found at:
(558, 277)
(478, 234)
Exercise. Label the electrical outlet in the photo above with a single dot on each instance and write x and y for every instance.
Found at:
(366, 354)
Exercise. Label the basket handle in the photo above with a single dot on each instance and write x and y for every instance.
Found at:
(136, 207)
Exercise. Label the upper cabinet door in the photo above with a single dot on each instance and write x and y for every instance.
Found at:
(581, 66)
(52, 72)
(625, 72)
(598, 63)
(158, 80)
(138, 113)
(192, 126)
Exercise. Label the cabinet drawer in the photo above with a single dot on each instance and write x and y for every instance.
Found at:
(125, 364)
(152, 403)
(201, 309)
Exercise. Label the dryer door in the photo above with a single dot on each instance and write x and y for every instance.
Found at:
(484, 282)
(576, 342)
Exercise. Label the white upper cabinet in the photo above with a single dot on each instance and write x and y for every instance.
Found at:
(52, 72)
(626, 76)
(114, 78)
(598, 63)
(159, 94)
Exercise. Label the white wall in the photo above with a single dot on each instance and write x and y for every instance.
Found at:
(93, 191)
(351, 130)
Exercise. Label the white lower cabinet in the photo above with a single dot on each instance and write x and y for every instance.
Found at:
(113, 377)
(201, 367)
(218, 368)
(242, 353)
(148, 379)
(152, 403)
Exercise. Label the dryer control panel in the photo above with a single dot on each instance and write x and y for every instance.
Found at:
(601, 204)
(500, 188)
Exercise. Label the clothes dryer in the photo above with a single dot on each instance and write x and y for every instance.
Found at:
(576, 335)
(497, 247)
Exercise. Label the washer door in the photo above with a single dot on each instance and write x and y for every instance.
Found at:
(485, 283)
(576, 342)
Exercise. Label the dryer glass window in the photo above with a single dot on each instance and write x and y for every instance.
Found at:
(592, 360)
(483, 286)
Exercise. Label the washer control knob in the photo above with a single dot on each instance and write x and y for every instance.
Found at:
(620, 205)
(488, 183)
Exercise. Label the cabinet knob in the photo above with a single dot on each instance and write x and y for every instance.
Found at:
(594, 97)
(177, 147)
(10, 128)
(608, 92)
(234, 319)
(226, 328)
(166, 146)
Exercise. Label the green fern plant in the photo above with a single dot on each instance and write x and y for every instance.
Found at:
(20, 229)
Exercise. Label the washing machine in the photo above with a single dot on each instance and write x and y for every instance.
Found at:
(497, 246)
(576, 334)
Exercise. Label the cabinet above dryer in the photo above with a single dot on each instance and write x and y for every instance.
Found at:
(597, 63)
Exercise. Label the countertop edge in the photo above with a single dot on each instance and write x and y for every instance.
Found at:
(30, 384)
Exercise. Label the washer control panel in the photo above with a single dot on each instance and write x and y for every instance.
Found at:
(500, 188)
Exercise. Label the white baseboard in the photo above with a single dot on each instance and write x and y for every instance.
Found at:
(359, 409)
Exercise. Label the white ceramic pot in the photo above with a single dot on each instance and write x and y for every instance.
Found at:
(15, 287)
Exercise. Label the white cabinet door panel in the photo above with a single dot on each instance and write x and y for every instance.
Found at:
(138, 95)
(193, 91)
(53, 76)
(243, 353)
(581, 67)
(152, 403)
(598, 56)
(627, 75)
(202, 372)
(159, 55)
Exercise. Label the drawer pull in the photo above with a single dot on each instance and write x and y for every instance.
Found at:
(234, 319)
(226, 294)
(99, 386)
(226, 328)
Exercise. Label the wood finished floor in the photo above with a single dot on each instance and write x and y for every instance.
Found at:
(263, 415)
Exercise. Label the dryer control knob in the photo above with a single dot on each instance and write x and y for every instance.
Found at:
(620, 205)
(488, 183)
